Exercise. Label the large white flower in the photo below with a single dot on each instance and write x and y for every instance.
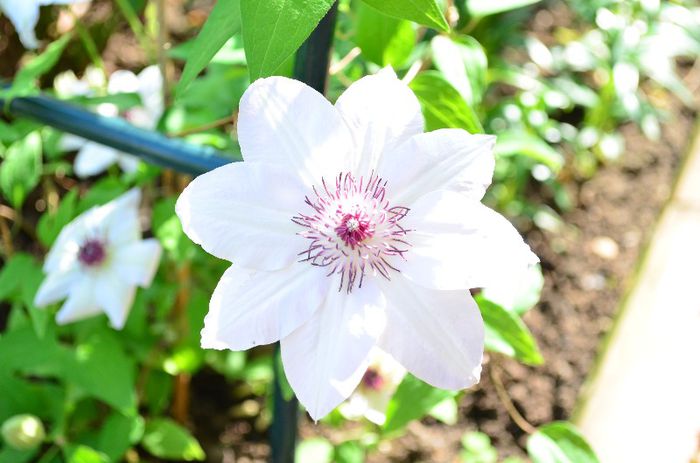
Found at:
(97, 261)
(375, 390)
(94, 158)
(24, 14)
(350, 228)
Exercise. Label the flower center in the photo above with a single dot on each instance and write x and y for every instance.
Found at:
(372, 379)
(92, 252)
(353, 230)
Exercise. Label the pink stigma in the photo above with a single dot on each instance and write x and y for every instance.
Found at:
(92, 253)
(353, 230)
(372, 380)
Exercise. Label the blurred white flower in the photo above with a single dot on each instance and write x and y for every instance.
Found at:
(24, 14)
(94, 158)
(97, 261)
(351, 229)
(375, 390)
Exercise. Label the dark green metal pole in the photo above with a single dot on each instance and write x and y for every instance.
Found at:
(311, 67)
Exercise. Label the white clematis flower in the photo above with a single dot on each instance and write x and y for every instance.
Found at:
(24, 14)
(94, 158)
(350, 229)
(97, 261)
(375, 390)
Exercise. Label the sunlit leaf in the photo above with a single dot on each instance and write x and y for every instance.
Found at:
(20, 171)
(384, 40)
(412, 400)
(426, 12)
(521, 143)
(559, 442)
(488, 7)
(166, 439)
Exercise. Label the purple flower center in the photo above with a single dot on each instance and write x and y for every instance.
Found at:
(92, 253)
(372, 380)
(353, 230)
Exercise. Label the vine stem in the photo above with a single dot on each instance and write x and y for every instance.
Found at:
(310, 67)
(515, 415)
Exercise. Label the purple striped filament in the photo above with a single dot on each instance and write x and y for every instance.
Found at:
(353, 230)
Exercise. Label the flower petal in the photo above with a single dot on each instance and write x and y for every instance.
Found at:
(55, 287)
(459, 243)
(286, 123)
(437, 335)
(115, 297)
(24, 15)
(137, 262)
(250, 308)
(93, 159)
(243, 212)
(450, 159)
(80, 304)
(326, 357)
(381, 112)
(128, 163)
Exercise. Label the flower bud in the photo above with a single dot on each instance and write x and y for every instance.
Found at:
(23, 432)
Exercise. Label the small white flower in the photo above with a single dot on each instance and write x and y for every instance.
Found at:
(94, 158)
(97, 261)
(351, 229)
(24, 14)
(375, 390)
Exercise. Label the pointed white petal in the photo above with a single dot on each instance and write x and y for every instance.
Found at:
(56, 286)
(288, 124)
(137, 262)
(122, 81)
(326, 357)
(69, 142)
(93, 159)
(243, 212)
(450, 159)
(437, 335)
(381, 112)
(80, 304)
(250, 308)
(115, 297)
(24, 15)
(458, 243)
(151, 92)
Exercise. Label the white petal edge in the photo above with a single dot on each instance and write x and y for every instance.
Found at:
(250, 308)
(458, 243)
(56, 286)
(326, 357)
(436, 335)
(243, 212)
(137, 262)
(114, 296)
(93, 159)
(24, 15)
(381, 112)
(450, 159)
(288, 124)
(80, 304)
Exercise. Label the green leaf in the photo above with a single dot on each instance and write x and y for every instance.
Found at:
(51, 224)
(223, 22)
(519, 142)
(118, 433)
(463, 63)
(314, 450)
(445, 411)
(481, 8)
(166, 439)
(521, 294)
(274, 29)
(383, 40)
(443, 106)
(559, 442)
(13, 272)
(426, 12)
(20, 171)
(23, 82)
(506, 333)
(349, 452)
(84, 454)
(412, 400)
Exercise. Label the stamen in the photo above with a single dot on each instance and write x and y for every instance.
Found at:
(353, 229)
(92, 252)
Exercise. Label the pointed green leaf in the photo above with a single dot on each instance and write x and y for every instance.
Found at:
(274, 29)
(412, 400)
(383, 40)
(168, 440)
(506, 333)
(521, 143)
(443, 106)
(426, 12)
(481, 8)
(20, 171)
(559, 442)
(223, 22)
